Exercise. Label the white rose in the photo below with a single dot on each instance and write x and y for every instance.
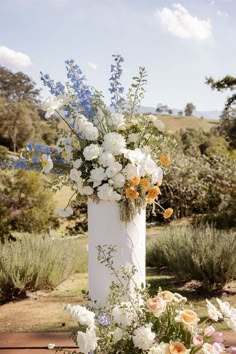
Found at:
(46, 163)
(131, 171)
(143, 337)
(133, 138)
(116, 120)
(114, 143)
(97, 175)
(118, 180)
(74, 174)
(87, 190)
(114, 169)
(90, 132)
(87, 341)
(82, 315)
(77, 163)
(106, 159)
(117, 335)
(106, 192)
(91, 152)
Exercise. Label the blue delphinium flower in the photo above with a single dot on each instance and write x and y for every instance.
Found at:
(82, 90)
(56, 89)
(116, 89)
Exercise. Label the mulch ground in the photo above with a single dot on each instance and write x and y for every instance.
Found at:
(37, 343)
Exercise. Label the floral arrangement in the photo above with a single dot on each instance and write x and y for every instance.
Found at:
(104, 153)
(138, 323)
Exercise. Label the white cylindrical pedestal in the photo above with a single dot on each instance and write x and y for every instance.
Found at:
(105, 228)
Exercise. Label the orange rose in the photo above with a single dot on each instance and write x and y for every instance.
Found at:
(164, 160)
(156, 305)
(131, 193)
(134, 181)
(154, 192)
(167, 213)
(176, 347)
(168, 296)
(144, 182)
(187, 317)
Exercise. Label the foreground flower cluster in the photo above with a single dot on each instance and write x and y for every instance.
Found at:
(105, 152)
(164, 324)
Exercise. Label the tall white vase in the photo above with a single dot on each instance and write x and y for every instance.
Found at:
(105, 228)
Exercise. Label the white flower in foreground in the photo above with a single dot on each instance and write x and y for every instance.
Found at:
(51, 346)
(77, 163)
(231, 323)
(107, 193)
(46, 163)
(158, 349)
(87, 341)
(91, 152)
(133, 138)
(75, 175)
(54, 103)
(131, 171)
(64, 213)
(213, 313)
(148, 166)
(114, 143)
(143, 337)
(97, 175)
(117, 335)
(90, 132)
(157, 175)
(119, 180)
(87, 190)
(225, 308)
(82, 315)
(116, 120)
(158, 124)
(135, 156)
(106, 159)
(124, 314)
(114, 169)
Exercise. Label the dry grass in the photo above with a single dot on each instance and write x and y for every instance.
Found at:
(175, 123)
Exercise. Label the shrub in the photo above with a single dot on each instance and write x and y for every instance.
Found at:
(203, 253)
(38, 262)
(25, 204)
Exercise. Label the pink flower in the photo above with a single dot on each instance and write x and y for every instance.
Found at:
(198, 340)
(218, 337)
(232, 350)
(208, 331)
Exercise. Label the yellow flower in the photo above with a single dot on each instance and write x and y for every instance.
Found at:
(144, 182)
(134, 181)
(154, 192)
(131, 193)
(167, 213)
(164, 160)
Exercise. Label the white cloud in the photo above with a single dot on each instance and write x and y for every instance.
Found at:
(180, 23)
(13, 59)
(92, 65)
(222, 13)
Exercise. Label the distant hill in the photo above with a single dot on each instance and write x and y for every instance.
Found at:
(175, 123)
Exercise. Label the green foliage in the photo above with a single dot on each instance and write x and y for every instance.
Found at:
(136, 91)
(208, 254)
(38, 262)
(3, 152)
(189, 108)
(227, 83)
(25, 204)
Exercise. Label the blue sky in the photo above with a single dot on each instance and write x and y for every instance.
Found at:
(179, 43)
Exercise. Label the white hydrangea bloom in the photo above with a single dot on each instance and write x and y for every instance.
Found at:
(91, 152)
(107, 193)
(119, 180)
(82, 315)
(106, 159)
(87, 342)
(143, 337)
(97, 175)
(77, 163)
(87, 190)
(114, 143)
(114, 169)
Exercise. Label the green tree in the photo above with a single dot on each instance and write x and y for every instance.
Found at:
(18, 122)
(227, 83)
(189, 108)
(15, 87)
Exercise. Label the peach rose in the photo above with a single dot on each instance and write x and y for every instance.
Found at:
(176, 347)
(187, 317)
(156, 305)
(168, 296)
